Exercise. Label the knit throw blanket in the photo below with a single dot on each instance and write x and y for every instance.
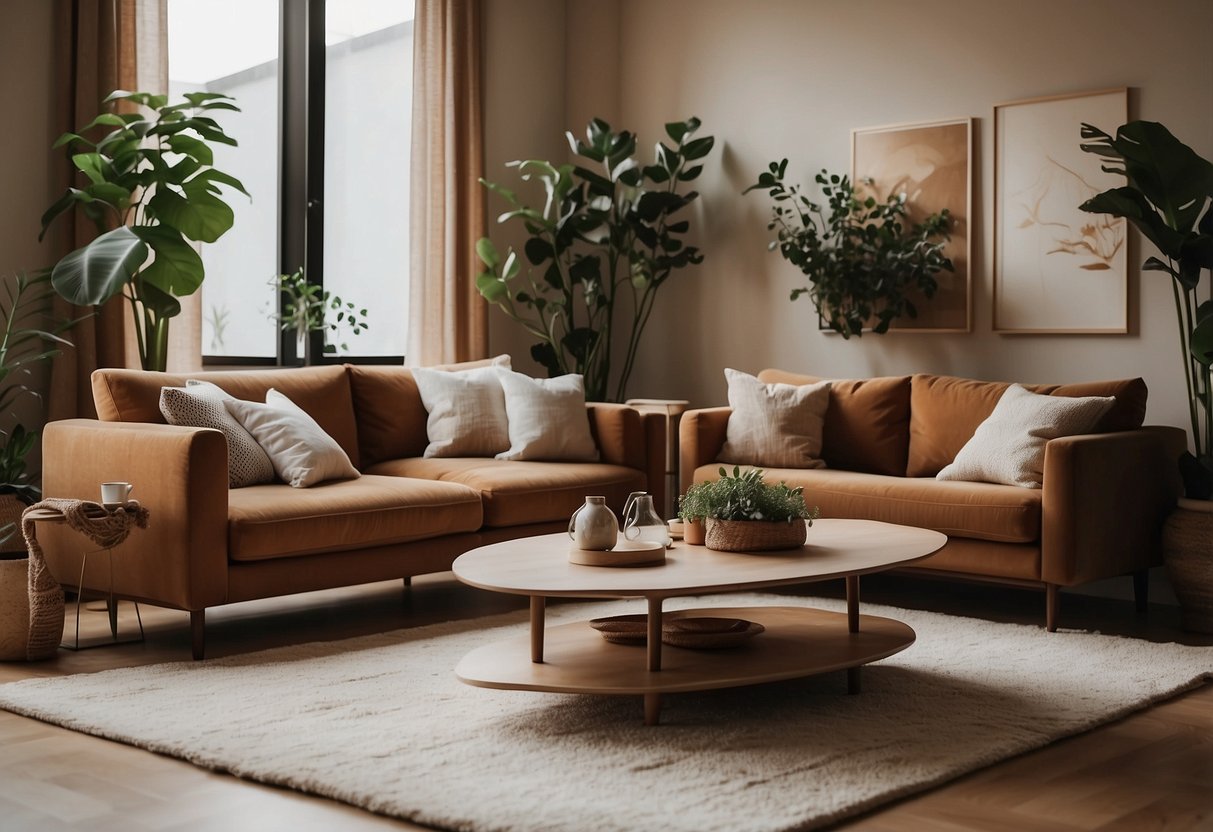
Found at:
(103, 527)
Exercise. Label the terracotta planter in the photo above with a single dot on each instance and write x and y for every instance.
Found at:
(1187, 540)
(754, 535)
(694, 532)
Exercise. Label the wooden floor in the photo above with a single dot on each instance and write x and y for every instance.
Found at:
(1150, 771)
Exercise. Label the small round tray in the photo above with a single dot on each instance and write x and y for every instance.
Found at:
(625, 553)
(694, 633)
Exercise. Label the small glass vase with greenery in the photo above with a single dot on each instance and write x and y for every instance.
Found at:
(745, 514)
(863, 258)
(307, 308)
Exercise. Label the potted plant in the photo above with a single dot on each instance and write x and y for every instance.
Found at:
(29, 337)
(606, 231)
(1166, 195)
(744, 514)
(150, 179)
(862, 258)
(306, 308)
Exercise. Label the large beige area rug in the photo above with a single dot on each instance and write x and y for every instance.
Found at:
(380, 722)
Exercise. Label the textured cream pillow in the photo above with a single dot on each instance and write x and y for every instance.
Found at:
(302, 453)
(1009, 446)
(774, 425)
(466, 410)
(547, 418)
(201, 406)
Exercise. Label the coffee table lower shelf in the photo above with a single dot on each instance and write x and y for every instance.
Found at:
(798, 642)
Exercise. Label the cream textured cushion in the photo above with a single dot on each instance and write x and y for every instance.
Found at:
(774, 425)
(201, 406)
(302, 453)
(466, 410)
(547, 418)
(1009, 446)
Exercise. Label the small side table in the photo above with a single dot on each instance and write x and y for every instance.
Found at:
(50, 515)
(672, 409)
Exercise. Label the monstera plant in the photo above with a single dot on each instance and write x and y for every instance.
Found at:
(154, 194)
(607, 230)
(1166, 195)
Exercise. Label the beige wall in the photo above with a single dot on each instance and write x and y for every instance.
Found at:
(772, 79)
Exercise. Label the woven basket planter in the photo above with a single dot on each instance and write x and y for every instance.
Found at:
(1188, 551)
(31, 602)
(754, 535)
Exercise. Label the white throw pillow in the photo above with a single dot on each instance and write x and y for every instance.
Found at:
(201, 406)
(466, 410)
(547, 418)
(302, 453)
(774, 425)
(1009, 446)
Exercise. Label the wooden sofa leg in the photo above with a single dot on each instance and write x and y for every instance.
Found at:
(1052, 602)
(198, 633)
(1141, 589)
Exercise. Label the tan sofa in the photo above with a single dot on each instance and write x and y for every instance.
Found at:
(1098, 515)
(207, 545)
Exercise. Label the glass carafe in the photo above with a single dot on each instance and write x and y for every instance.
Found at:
(641, 523)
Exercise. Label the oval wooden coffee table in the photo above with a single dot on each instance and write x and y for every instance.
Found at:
(798, 641)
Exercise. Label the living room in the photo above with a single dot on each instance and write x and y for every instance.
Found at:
(768, 80)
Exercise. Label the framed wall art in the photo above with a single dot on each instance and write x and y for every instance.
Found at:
(1056, 269)
(931, 162)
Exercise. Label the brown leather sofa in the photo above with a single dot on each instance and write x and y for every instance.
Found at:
(1098, 515)
(207, 545)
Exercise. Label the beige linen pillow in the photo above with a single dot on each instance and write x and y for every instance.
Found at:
(1009, 446)
(201, 406)
(302, 453)
(774, 425)
(466, 410)
(547, 418)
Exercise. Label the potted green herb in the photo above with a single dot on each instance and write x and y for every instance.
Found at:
(151, 179)
(744, 514)
(308, 308)
(861, 256)
(1166, 195)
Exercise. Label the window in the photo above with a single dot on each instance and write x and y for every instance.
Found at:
(325, 92)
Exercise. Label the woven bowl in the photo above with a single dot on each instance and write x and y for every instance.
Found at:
(754, 535)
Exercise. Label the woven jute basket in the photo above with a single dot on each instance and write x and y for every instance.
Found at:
(754, 535)
(1187, 540)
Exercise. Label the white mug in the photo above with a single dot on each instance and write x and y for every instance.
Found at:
(115, 492)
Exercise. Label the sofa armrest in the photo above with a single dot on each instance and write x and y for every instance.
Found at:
(179, 474)
(1104, 501)
(700, 437)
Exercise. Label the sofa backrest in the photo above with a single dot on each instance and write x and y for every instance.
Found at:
(323, 392)
(867, 423)
(945, 412)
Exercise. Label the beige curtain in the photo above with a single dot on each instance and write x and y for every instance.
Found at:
(101, 46)
(448, 320)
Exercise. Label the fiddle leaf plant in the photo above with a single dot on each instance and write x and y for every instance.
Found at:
(150, 186)
(1167, 196)
(606, 230)
(863, 257)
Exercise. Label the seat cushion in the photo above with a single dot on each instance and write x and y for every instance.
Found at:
(517, 493)
(273, 521)
(977, 510)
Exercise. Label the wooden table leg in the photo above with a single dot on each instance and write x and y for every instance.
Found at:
(853, 603)
(654, 634)
(652, 708)
(537, 608)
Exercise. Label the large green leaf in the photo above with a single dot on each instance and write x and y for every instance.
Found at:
(198, 214)
(93, 274)
(1129, 203)
(177, 267)
(1167, 171)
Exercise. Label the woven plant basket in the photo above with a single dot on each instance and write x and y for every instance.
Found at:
(754, 535)
(1188, 551)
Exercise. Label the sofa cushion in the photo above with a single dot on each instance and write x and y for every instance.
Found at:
(516, 493)
(273, 521)
(323, 392)
(547, 418)
(867, 424)
(774, 425)
(201, 406)
(466, 411)
(978, 510)
(945, 412)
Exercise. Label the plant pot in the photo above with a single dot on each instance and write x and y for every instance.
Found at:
(1187, 539)
(693, 532)
(754, 535)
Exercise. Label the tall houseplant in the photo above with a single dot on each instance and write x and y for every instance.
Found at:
(151, 179)
(861, 256)
(606, 230)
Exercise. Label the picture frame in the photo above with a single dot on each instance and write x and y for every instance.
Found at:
(1057, 269)
(931, 162)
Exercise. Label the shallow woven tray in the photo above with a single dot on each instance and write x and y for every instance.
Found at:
(702, 633)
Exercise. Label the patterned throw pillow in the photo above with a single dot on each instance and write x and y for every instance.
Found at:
(201, 406)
